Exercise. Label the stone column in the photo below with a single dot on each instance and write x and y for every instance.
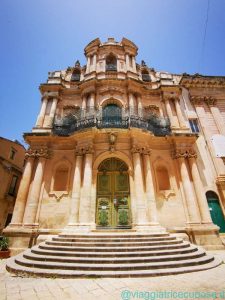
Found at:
(75, 199)
(92, 104)
(52, 112)
(134, 64)
(190, 198)
(88, 65)
(169, 111)
(217, 117)
(33, 198)
(150, 192)
(203, 205)
(140, 113)
(41, 115)
(19, 208)
(94, 62)
(132, 198)
(84, 106)
(131, 104)
(141, 213)
(85, 201)
(179, 114)
(127, 62)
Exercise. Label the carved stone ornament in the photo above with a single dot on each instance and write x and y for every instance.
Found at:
(182, 153)
(151, 110)
(41, 152)
(198, 100)
(112, 140)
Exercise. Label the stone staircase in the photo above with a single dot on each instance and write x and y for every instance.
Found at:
(111, 255)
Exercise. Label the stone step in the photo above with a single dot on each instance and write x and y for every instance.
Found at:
(114, 239)
(110, 255)
(46, 246)
(113, 235)
(28, 254)
(115, 244)
(55, 273)
(153, 252)
(110, 266)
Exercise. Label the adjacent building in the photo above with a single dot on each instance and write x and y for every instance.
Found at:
(118, 145)
(12, 155)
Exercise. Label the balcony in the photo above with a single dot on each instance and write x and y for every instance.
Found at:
(68, 125)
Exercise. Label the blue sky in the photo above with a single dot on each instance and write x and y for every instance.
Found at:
(38, 36)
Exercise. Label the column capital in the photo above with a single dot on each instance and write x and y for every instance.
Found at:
(196, 100)
(136, 149)
(184, 153)
(199, 100)
(40, 153)
(141, 150)
(78, 152)
(210, 101)
(146, 151)
(84, 149)
(50, 95)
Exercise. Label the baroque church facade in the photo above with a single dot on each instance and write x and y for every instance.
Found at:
(118, 146)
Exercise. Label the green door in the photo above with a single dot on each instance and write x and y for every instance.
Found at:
(215, 210)
(113, 197)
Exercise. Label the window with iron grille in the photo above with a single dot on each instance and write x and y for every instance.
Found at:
(194, 125)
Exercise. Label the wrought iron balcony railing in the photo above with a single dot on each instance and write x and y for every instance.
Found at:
(70, 124)
(111, 67)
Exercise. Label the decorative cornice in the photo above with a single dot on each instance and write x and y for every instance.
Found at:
(200, 81)
(198, 100)
(41, 152)
(184, 153)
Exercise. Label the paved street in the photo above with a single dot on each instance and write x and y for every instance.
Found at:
(210, 283)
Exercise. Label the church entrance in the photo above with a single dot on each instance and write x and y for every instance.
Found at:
(113, 195)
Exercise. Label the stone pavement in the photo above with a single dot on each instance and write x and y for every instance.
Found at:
(210, 283)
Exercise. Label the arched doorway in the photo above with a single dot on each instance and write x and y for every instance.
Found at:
(215, 210)
(113, 195)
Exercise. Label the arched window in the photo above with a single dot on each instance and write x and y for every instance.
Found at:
(76, 75)
(145, 75)
(111, 63)
(61, 178)
(163, 178)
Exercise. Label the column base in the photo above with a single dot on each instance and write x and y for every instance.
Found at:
(206, 236)
(31, 225)
(13, 225)
(20, 238)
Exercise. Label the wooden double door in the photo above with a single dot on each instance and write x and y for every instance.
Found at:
(113, 196)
